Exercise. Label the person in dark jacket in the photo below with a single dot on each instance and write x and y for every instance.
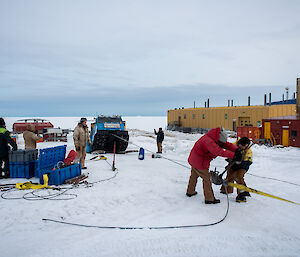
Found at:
(5, 139)
(238, 170)
(159, 139)
(212, 144)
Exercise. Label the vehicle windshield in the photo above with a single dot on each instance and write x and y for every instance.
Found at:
(109, 119)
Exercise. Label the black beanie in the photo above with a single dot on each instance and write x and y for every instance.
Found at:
(244, 141)
(83, 120)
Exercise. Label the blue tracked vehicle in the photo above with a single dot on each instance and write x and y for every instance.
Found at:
(107, 131)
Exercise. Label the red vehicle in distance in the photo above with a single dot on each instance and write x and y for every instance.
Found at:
(20, 125)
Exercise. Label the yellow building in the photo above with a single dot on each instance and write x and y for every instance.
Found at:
(228, 117)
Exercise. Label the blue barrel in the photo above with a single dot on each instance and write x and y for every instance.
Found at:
(141, 154)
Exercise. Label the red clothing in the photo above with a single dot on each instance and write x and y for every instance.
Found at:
(71, 157)
(207, 148)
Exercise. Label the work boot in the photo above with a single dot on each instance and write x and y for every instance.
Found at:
(84, 168)
(212, 202)
(190, 195)
(241, 198)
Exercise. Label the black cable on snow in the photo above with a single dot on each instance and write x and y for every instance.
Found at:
(36, 196)
(3, 195)
(140, 228)
(32, 195)
(102, 180)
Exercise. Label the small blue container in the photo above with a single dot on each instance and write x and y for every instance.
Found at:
(141, 154)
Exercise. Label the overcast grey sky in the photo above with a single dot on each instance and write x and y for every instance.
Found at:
(66, 57)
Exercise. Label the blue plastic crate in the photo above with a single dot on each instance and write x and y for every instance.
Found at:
(49, 157)
(58, 176)
(22, 169)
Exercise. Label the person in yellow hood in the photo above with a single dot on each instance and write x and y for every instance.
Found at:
(238, 171)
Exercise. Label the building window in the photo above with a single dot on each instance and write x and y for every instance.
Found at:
(184, 116)
(194, 116)
(294, 133)
(203, 116)
(226, 116)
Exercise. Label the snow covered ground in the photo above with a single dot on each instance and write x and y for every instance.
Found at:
(151, 192)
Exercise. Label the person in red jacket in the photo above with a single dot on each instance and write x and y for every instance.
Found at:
(212, 144)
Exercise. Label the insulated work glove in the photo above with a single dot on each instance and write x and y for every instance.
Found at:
(238, 156)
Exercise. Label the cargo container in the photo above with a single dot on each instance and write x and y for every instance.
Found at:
(283, 130)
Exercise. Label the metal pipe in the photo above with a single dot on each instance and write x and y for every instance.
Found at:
(248, 100)
(265, 99)
(270, 98)
(231, 102)
(228, 103)
(208, 103)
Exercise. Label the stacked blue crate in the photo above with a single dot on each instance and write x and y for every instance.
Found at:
(22, 163)
(22, 169)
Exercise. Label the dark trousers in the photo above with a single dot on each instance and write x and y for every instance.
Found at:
(4, 167)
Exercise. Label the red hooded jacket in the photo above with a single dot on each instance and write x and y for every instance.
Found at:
(207, 148)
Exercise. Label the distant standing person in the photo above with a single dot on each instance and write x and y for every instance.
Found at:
(30, 138)
(5, 139)
(81, 137)
(159, 139)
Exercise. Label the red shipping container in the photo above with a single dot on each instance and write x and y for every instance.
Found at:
(254, 133)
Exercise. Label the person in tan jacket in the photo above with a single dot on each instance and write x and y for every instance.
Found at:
(81, 137)
(30, 138)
